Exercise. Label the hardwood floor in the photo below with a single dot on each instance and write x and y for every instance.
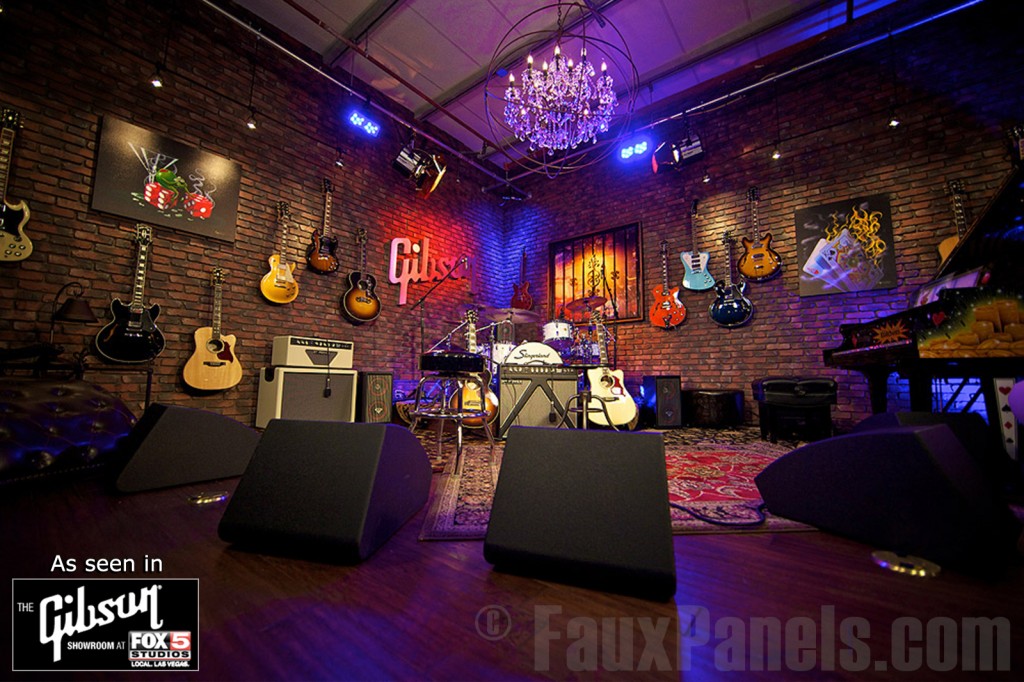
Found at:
(798, 605)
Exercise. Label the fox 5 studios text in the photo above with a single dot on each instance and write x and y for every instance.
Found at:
(115, 624)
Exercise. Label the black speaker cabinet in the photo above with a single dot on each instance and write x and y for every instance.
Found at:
(661, 402)
(911, 490)
(308, 393)
(173, 445)
(534, 395)
(373, 400)
(329, 490)
(584, 507)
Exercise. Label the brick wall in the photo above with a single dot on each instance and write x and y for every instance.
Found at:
(66, 65)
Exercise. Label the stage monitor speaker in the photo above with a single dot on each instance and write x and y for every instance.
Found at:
(661, 402)
(306, 393)
(534, 395)
(328, 490)
(911, 490)
(584, 507)
(172, 445)
(373, 400)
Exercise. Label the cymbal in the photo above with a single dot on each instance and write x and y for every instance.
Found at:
(480, 308)
(513, 315)
(581, 305)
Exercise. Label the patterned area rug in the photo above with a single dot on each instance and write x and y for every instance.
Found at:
(710, 475)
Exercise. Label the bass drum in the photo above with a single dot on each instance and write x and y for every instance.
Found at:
(533, 353)
(559, 335)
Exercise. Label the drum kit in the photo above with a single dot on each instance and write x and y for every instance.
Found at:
(564, 343)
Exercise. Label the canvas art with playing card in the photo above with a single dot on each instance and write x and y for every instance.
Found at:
(846, 246)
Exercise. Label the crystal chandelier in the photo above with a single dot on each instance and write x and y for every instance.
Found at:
(561, 105)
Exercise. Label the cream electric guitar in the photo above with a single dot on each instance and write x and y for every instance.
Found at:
(279, 285)
(214, 365)
(606, 386)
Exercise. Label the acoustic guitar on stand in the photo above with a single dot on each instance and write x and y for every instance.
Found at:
(521, 298)
(132, 336)
(320, 252)
(606, 386)
(759, 260)
(14, 245)
(472, 401)
(360, 303)
(667, 311)
(279, 285)
(696, 277)
(214, 365)
(956, 194)
(731, 308)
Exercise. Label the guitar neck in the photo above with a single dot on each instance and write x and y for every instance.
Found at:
(6, 144)
(327, 213)
(216, 311)
(753, 196)
(140, 278)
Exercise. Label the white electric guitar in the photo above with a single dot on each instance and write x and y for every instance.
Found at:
(606, 386)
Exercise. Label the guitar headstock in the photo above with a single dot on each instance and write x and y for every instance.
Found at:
(361, 236)
(753, 195)
(217, 278)
(727, 238)
(664, 247)
(10, 119)
(327, 186)
(693, 207)
(955, 187)
(283, 211)
(143, 234)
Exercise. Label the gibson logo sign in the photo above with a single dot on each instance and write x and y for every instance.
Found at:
(411, 262)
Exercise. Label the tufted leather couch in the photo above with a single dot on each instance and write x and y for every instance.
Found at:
(50, 426)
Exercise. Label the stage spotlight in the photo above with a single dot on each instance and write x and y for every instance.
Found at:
(669, 155)
(423, 168)
(361, 121)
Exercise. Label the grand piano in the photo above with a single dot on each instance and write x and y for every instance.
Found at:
(968, 322)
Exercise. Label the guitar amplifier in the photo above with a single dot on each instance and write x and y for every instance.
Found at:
(302, 351)
(373, 402)
(534, 395)
(305, 393)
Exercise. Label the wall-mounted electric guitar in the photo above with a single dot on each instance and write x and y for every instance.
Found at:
(696, 277)
(731, 308)
(607, 387)
(320, 252)
(472, 401)
(14, 245)
(521, 292)
(133, 336)
(214, 365)
(956, 194)
(759, 260)
(360, 303)
(279, 285)
(667, 310)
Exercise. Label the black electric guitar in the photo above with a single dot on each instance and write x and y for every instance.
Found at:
(472, 401)
(607, 387)
(320, 252)
(731, 308)
(214, 365)
(14, 245)
(133, 336)
(759, 260)
(360, 303)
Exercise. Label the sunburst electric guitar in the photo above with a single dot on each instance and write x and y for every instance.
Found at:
(279, 285)
(759, 260)
(320, 252)
(956, 195)
(132, 336)
(696, 277)
(472, 401)
(667, 311)
(14, 245)
(360, 303)
(214, 365)
(607, 387)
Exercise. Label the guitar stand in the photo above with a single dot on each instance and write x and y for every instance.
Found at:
(583, 408)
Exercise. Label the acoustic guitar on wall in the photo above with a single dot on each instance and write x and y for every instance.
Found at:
(956, 196)
(279, 285)
(360, 303)
(14, 245)
(667, 311)
(132, 336)
(214, 365)
(759, 260)
(320, 252)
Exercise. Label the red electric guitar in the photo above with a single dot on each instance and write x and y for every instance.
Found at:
(667, 310)
(521, 292)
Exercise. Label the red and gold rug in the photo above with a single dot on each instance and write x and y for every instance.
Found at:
(710, 482)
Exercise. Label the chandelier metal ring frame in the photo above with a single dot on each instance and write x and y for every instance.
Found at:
(545, 135)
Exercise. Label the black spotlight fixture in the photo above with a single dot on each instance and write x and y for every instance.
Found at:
(669, 155)
(423, 168)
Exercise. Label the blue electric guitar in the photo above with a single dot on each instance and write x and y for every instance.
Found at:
(730, 308)
(696, 277)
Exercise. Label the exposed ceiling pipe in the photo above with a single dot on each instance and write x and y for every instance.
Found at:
(503, 182)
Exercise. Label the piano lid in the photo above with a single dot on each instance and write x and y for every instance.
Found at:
(996, 238)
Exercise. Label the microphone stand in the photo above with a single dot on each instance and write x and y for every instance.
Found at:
(615, 310)
(419, 303)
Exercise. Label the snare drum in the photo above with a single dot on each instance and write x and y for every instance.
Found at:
(558, 334)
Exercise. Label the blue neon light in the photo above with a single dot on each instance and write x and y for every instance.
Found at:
(368, 126)
(634, 149)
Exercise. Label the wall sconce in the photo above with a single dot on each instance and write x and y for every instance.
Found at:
(423, 168)
(73, 309)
